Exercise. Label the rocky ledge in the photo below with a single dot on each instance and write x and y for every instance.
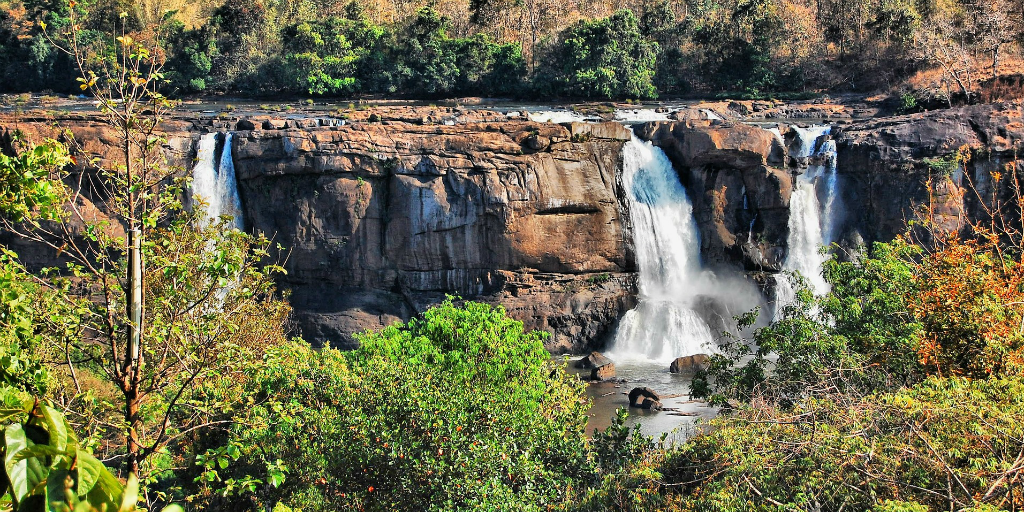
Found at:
(382, 218)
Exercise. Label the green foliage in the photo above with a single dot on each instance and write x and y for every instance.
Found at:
(441, 65)
(944, 443)
(457, 410)
(191, 64)
(46, 469)
(860, 337)
(23, 313)
(30, 185)
(608, 58)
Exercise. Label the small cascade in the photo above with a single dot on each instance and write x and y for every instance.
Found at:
(560, 116)
(664, 325)
(214, 180)
(640, 115)
(810, 220)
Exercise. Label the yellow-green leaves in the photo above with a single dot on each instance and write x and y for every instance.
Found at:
(30, 186)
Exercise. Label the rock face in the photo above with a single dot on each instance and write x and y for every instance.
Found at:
(740, 191)
(883, 167)
(382, 219)
(384, 213)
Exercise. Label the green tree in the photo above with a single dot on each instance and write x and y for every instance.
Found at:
(860, 338)
(608, 58)
(458, 410)
(174, 306)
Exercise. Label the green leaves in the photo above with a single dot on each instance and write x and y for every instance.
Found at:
(44, 468)
(30, 186)
(608, 58)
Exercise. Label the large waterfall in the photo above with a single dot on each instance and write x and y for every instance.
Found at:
(214, 180)
(810, 220)
(663, 326)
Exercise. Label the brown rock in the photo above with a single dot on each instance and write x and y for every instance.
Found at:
(646, 394)
(275, 124)
(603, 372)
(593, 360)
(650, 405)
(414, 212)
(689, 363)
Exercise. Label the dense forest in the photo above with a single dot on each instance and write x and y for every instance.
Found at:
(939, 50)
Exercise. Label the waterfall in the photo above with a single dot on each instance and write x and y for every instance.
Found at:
(810, 222)
(214, 180)
(663, 326)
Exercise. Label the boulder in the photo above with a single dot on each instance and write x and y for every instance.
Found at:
(646, 394)
(689, 363)
(603, 372)
(275, 124)
(246, 125)
(650, 405)
(594, 360)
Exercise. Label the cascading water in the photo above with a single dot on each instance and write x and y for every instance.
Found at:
(810, 222)
(214, 181)
(663, 326)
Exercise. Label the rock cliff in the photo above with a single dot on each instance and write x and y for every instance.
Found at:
(382, 218)
(385, 212)
(884, 163)
(739, 187)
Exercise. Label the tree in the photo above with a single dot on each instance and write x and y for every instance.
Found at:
(608, 58)
(459, 410)
(174, 305)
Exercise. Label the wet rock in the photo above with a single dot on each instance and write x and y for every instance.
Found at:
(640, 395)
(650, 405)
(603, 372)
(689, 363)
(593, 360)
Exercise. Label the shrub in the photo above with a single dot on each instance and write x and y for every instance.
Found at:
(457, 410)
(608, 58)
(945, 443)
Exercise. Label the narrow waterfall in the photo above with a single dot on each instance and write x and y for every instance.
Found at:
(810, 221)
(214, 180)
(663, 326)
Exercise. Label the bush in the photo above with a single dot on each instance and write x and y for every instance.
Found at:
(608, 58)
(945, 443)
(457, 410)
(859, 338)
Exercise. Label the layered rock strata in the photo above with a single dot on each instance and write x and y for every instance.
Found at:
(381, 219)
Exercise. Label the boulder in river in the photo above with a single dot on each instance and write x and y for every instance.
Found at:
(650, 405)
(594, 360)
(689, 363)
(603, 372)
(646, 394)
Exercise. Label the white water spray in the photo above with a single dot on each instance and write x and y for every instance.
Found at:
(663, 326)
(214, 181)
